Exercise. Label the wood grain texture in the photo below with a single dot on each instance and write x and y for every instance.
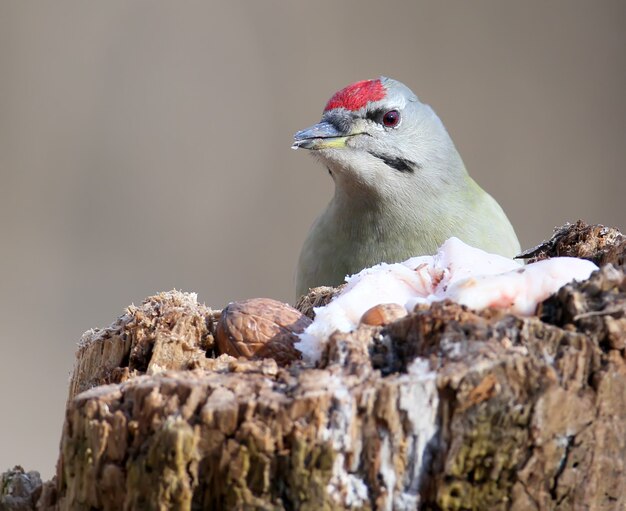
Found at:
(444, 409)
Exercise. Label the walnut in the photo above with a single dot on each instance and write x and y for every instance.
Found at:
(261, 328)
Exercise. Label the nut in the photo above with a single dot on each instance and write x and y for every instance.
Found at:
(383, 314)
(261, 328)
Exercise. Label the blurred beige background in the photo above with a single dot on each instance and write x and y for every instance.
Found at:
(144, 146)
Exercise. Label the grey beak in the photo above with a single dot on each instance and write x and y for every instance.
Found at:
(320, 136)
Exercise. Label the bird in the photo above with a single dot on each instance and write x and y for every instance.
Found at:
(401, 187)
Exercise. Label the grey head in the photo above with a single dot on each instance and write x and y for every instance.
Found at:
(375, 135)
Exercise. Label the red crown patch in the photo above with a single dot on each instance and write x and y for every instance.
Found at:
(357, 95)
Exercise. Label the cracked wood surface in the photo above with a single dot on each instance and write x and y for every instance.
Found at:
(444, 409)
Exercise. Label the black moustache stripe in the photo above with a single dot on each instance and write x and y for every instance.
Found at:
(396, 163)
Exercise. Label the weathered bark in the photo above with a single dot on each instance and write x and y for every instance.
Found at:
(445, 409)
(19, 490)
(318, 297)
(597, 243)
(168, 331)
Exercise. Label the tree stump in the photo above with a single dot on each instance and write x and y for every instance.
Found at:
(444, 409)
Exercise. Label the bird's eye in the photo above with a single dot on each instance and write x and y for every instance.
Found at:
(391, 118)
